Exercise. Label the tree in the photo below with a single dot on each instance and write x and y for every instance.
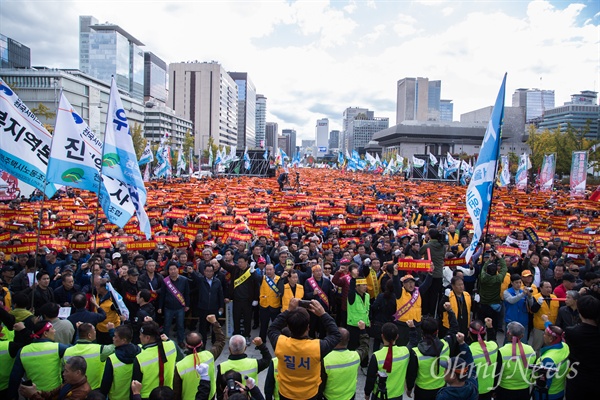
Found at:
(42, 111)
(211, 145)
(139, 142)
(513, 160)
(188, 142)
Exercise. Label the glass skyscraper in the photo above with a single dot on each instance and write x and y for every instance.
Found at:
(261, 121)
(246, 132)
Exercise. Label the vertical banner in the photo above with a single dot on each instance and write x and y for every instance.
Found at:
(578, 173)
(479, 192)
(521, 177)
(504, 172)
(547, 172)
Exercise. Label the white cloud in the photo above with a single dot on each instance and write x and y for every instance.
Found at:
(447, 11)
(405, 25)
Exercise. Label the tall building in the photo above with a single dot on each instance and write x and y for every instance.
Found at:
(111, 51)
(246, 119)
(160, 119)
(535, 101)
(347, 117)
(291, 133)
(322, 137)
(446, 111)
(88, 96)
(581, 113)
(14, 54)
(271, 135)
(155, 79)
(261, 121)
(308, 148)
(204, 93)
(362, 128)
(334, 140)
(283, 142)
(418, 99)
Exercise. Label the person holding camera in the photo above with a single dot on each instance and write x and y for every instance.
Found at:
(235, 390)
(517, 302)
(490, 284)
(299, 357)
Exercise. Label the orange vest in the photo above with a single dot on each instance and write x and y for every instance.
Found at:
(299, 367)
(287, 295)
(505, 285)
(373, 284)
(268, 297)
(454, 303)
(415, 312)
(550, 310)
(111, 315)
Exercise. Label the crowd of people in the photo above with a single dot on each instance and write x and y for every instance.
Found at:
(321, 276)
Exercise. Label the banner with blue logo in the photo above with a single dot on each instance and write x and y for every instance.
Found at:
(479, 192)
(24, 142)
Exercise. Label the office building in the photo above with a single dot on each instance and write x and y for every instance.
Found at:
(14, 54)
(581, 113)
(261, 121)
(308, 148)
(334, 140)
(88, 96)
(246, 112)
(347, 117)
(155, 79)
(322, 137)
(446, 111)
(362, 129)
(111, 51)
(535, 101)
(283, 142)
(291, 133)
(418, 99)
(204, 93)
(160, 120)
(271, 135)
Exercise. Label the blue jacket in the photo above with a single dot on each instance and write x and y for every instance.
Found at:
(518, 311)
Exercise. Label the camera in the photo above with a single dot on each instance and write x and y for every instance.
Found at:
(232, 387)
(304, 303)
(530, 290)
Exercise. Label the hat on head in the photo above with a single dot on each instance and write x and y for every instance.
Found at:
(75, 251)
(457, 364)
(116, 255)
(407, 278)
(133, 272)
(361, 281)
(261, 260)
(294, 235)
(7, 268)
(525, 273)
(345, 261)
(283, 249)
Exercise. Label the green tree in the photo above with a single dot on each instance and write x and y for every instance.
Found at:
(188, 143)
(139, 142)
(42, 111)
(513, 160)
(211, 145)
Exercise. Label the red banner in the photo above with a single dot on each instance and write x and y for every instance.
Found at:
(509, 250)
(408, 264)
(142, 245)
(449, 262)
(18, 249)
(575, 250)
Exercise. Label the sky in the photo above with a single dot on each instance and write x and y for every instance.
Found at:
(313, 59)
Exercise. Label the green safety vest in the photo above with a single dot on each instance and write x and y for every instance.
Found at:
(426, 379)
(396, 379)
(121, 383)
(559, 357)
(341, 367)
(359, 310)
(42, 365)
(9, 336)
(7, 362)
(190, 378)
(245, 366)
(95, 366)
(485, 372)
(515, 375)
(148, 360)
(276, 390)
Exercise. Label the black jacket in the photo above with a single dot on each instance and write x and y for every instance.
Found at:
(210, 297)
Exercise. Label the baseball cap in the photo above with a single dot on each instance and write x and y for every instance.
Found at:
(7, 268)
(526, 273)
(261, 260)
(116, 255)
(345, 261)
(133, 272)
(294, 235)
(408, 278)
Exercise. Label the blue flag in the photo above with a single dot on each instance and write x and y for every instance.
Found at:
(479, 192)
(119, 160)
(266, 155)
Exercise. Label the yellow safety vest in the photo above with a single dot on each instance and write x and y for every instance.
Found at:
(245, 366)
(341, 367)
(276, 388)
(425, 377)
(121, 384)
(95, 367)
(560, 359)
(373, 284)
(485, 371)
(415, 311)
(43, 365)
(299, 369)
(190, 378)
(397, 378)
(515, 375)
(268, 297)
(359, 310)
(550, 310)
(148, 360)
(7, 362)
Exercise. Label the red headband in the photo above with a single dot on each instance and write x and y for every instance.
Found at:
(40, 333)
(195, 352)
(480, 332)
(556, 337)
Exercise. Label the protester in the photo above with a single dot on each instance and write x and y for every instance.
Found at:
(75, 386)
